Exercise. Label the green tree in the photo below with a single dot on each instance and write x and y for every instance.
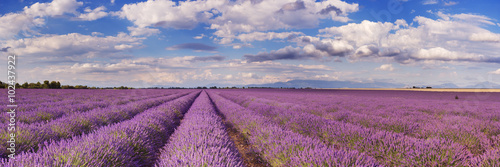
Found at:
(53, 85)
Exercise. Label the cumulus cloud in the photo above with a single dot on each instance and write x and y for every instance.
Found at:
(230, 18)
(292, 6)
(329, 9)
(193, 46)
(94, 14)
(199, 36)
(5, 49)
(430, 2)
(250, 75)
(485, 37)
(365, 51)
(144, 31)
(453, 38)
(208, 58)
(385, 67)
(326, 48)
(262, 36)
(186, 70)
(242, 17)
(32, 17)
(495, 72)
(366, 32)
(288, 52)
(71, 46)
(450, 3)
(168, 14)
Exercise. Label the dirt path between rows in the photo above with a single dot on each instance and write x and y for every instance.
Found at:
(251, 158)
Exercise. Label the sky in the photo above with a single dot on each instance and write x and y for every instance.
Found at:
(239, 42)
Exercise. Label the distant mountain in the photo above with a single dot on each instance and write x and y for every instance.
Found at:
(484, 85)
(446, 85)
(328, 84)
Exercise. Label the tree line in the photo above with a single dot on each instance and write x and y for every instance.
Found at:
(55, 85)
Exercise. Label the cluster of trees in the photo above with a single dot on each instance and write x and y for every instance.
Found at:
(46, 85)
(54, 85)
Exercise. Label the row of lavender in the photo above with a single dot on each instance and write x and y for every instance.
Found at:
(293, 128)
(133, 142)
(390, 131)
(280, 146)
(200, 140)
(133, 134)
(76, 101)
(30, 137)
(30, 99)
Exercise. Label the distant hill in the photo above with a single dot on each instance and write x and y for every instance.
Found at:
(328, 84)
(446, 85)
(484, 85)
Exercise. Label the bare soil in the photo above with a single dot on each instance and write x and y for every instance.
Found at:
(251, 158)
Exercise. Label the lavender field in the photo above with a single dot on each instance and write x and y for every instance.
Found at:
(253, 127)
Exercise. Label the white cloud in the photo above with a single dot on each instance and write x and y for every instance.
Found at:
(167, 14)
(430, 2)
(54, 8)
(112, 1)
(123, 47)
(366, 32)
(31, 17)
(199, 36)
(454, 38)
(246, 17)
(385, 67)
(485, 37)
(71, 46)
(184, 70)
(262, 36)
(97, 34)
(232, 18)
(319, 50)
(144, 31)
(438, 53)
(450, 3)
(365, 51)
(469, 18)
(95, 14)
(495, 72)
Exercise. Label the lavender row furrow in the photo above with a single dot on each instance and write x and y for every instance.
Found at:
(393, 149)
(135, 142)
(58, 98)
(200, 140)
(53, 112)
(282, 147)
(473, 134)
(31, 136)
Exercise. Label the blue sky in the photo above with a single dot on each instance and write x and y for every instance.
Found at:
(239, 42)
